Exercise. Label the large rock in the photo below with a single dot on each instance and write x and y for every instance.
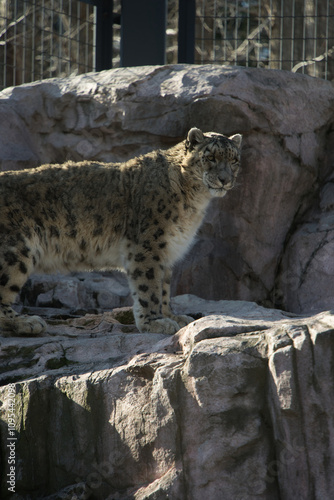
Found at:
(305, 279)
(248, 245)
(238, 406)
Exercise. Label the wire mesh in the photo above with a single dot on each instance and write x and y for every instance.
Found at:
(55, 38)
(296, 35)
(45, 38)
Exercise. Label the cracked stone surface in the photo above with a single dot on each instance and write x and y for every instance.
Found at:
(237, 405)
(271, 239)
(307, 268)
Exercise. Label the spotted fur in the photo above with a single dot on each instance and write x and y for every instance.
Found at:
(140, 216)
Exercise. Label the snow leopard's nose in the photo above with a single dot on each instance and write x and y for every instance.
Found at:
(226, 180)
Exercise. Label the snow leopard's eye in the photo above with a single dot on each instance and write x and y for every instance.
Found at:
(211, 158)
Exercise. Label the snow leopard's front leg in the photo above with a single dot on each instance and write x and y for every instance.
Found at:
(146, 276)
(181, 319)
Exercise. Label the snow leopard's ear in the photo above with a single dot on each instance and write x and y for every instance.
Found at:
(195, 136)
(237, 138)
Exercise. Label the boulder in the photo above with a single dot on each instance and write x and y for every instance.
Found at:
(264, 241)
(305, 279)
(236, 405)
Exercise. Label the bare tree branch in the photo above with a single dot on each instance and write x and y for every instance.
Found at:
(314, 60)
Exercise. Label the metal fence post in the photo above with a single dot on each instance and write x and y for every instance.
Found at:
(104, 34)
(143, 32)
(186, 37)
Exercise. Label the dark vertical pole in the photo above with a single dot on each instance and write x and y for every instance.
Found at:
(186, 38)
(104, 34)
(143, 32)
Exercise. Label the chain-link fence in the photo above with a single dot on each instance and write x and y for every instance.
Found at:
(45, 38)
(54, 38)
(296, 35)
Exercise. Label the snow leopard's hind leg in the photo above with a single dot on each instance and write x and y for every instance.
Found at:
(16, 264)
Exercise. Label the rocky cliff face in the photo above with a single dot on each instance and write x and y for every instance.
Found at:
(238, 405)
(271, 240)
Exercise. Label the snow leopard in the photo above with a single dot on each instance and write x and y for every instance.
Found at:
(140, 216)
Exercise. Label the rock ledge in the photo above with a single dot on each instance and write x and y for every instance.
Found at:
(236, 405)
